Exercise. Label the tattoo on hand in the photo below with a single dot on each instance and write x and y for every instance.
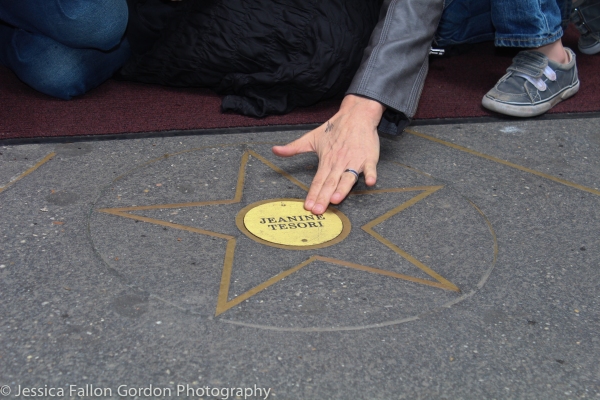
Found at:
(329, 127)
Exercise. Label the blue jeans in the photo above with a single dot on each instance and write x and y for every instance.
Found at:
(509, 23)
(63, 47)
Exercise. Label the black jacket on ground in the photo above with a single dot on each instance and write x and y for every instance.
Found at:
(265, 56)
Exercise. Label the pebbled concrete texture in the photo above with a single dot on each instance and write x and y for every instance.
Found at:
(119, 303)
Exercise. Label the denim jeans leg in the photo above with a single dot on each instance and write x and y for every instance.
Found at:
(98, 24)
(566, 7)
(63, 47)
(465, 21)
(55, 69)
(528, 23)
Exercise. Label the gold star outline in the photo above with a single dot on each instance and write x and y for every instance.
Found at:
(223, 302)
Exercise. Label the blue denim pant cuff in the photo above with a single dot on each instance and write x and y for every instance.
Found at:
(527, 41)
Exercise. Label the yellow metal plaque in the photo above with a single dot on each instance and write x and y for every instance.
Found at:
(286, 224)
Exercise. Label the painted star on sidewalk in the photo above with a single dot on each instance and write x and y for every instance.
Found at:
(224, 302)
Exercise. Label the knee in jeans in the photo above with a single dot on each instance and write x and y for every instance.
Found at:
(99, 25)
(65, 79)
(62, 87)
(114, 23)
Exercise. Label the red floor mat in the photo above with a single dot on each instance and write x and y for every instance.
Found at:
(453, 89)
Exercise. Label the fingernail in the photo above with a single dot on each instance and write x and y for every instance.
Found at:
(308, 205)
(318, 209)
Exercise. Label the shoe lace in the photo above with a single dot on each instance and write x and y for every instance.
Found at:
(533, 66)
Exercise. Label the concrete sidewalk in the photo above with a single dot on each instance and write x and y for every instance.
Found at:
(469, 272)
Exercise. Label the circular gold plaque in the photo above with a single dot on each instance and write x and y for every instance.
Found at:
(284, 223)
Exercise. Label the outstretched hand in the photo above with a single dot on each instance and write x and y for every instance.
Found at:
(348, 140)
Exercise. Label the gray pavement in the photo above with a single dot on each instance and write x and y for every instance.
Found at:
(469, 272)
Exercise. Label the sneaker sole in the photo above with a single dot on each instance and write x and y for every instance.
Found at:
(591, 49)
(526, 110)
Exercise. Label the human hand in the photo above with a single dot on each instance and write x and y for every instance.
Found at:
(348, 140)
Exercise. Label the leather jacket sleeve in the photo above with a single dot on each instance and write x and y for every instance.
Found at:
(396, 61)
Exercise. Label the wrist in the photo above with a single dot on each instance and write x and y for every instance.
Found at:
(364, 105)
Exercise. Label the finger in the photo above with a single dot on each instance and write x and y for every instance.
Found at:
(327, 190)
(301, 145)
(347, 181)
(315, 186)
(370, 173)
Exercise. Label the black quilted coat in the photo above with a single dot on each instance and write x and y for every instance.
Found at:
(264, 56)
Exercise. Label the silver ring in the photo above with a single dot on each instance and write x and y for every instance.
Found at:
(353, 172)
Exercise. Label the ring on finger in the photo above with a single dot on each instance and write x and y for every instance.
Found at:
(353, 172)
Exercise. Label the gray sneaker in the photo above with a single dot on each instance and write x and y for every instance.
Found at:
(586, 17)
(533, 85)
